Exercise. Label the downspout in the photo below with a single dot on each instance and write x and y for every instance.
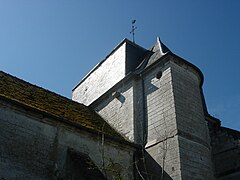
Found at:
(144, 123)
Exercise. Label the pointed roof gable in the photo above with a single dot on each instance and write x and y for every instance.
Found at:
(154, 54)
(159, 46)
(158, 50)
(30, 96)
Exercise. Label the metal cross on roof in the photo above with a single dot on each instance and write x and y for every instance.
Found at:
(133, 30)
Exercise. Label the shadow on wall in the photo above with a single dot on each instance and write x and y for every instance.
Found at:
(80, 166)
(151, 88)
(147, 168)
(141, 109)
(107, 100)
(119, 97)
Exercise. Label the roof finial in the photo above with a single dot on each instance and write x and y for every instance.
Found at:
(133, 29)
(160, 46)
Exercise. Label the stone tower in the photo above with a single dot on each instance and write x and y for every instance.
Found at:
(154, 98)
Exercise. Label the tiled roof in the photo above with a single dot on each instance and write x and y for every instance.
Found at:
(51, 103)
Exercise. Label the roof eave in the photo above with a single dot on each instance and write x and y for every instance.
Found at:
(121, 139)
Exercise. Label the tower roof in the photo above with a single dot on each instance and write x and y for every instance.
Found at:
(158, 50)
(154, 54)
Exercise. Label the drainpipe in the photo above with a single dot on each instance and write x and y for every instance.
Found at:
(144, 123)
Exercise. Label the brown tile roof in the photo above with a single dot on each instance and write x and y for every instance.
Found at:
(51, 103)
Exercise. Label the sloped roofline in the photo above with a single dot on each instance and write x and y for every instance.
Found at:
(144, 65)
(65, 121)
(191, 65)
(133, 74)
(24, 94)
(166, 52)
(100, 63)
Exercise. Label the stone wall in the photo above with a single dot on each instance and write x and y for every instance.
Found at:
(194, 141)
(225, 152)
(35, 146)
(123, 60)
(101, 79)
(144, 112)
(178, 136)
(159, 99)
(116, 107)
(162, 140)
(166, 117)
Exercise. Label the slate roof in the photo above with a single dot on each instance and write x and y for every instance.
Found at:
(53, 104)
(154, 54)
(158, 50)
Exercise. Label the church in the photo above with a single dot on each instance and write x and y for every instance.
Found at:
(138, 114)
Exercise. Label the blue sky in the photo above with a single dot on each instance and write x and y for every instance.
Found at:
(55, 43)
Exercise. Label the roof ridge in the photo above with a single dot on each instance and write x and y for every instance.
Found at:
(34, 85)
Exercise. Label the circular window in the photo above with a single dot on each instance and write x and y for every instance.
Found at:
(159, 75)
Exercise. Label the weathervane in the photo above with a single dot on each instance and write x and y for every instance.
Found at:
(133, 30)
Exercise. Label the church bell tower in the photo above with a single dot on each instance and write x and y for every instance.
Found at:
(153, 98)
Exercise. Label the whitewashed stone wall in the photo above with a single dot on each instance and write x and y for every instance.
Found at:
(194, 141)
(188, 102)
(107, 74)
(160, 107)
(166, 154)
(118, 111)
(150, 115)
(162, 139)
(34, 146)
(177, 133)
(167, 115)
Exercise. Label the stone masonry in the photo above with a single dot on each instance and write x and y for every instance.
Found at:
(143, 116)
(160, 107)
(35, 145)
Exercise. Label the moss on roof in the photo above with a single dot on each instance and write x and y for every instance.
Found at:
(54, 104)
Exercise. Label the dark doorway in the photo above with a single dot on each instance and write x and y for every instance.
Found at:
(81, 167)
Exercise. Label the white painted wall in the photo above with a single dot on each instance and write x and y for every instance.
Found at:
(111, 71)
(174, 120)
(118, 111)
